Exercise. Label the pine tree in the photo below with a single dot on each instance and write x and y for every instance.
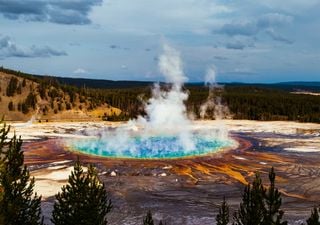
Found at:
(223, 216)
(148, 219)
(251, 207)
(83, 201)
(314, 218)
(18, 203)
(12, 87)
(272, 213)
(11, 106)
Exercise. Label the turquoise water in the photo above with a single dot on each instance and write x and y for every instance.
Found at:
(156, 147)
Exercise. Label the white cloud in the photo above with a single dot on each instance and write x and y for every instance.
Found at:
(80, 71)
(160, 17)
(8, 48)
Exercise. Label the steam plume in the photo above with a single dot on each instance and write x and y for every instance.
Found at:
(166, 116)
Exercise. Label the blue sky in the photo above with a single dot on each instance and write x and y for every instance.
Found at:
(246, 41)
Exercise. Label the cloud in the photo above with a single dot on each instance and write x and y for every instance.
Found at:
(239, 45)
(253, 27)
(278, 37)
(9, 49)
(61, 12)
(273, 19)
(114, 46)
(80, 71)
(221, 57)
(245, 29)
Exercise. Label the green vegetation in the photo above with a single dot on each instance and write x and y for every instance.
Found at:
(12, 87)
(83, 201)
(271, 104)
(222, 217)
(259, 206)
(315, 217)
(148, 219)
(272, 212)
(19, 205)
(253, 102)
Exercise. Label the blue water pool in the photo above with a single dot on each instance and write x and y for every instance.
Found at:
(155, 147)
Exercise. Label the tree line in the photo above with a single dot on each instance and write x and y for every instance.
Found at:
(244, 102)
(85, 201)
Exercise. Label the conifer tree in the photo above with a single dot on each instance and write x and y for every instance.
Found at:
(18, 203)
(314, 218)
(251, 207)
(12, 87)
(83, 201)
(223, 216)
(148, 219)
(272, 198)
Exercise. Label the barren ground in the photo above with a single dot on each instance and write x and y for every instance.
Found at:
(185, 191)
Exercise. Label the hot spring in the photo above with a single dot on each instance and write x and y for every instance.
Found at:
(167, 130)
(138, 145)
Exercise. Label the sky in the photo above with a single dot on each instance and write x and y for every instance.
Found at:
(245, 41)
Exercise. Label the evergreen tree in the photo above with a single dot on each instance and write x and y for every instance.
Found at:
(251, 208)
(223, 216)
(18, 203)
(314, 218)
(83, 201)
(24, 83)
(11, 106)
(148, 219)
(12, 87)
(273, 215)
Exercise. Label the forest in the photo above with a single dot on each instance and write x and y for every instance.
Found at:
(264, 102)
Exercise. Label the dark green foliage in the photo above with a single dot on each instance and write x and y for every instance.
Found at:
(251, 208)
(12, 87)
(83, 201)
(68, 106)
(147, 220)
(11, 106)
(270, 104)
(24, 82)
(18, 203)
(19, 89)
(60, 106)
(272, 198)
(260, 206)
(19, 106)
(223, 216)
(24, 108)
(31, 100)
(53, 93)
(254, 102)
(42, 89)
(314, 218)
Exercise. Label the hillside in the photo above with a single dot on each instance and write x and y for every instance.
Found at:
(23, 98)
(54, 98)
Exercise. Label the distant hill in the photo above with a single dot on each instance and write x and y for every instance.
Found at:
(286, 86)
(99, 83)
(301, 83)
(50, 98)
(23, 96)
(123, 84)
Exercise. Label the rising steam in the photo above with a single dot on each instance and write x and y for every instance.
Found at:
(213, 107)
(166, 126)
(166, 111)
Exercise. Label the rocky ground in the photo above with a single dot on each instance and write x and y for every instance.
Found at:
(185, 191)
